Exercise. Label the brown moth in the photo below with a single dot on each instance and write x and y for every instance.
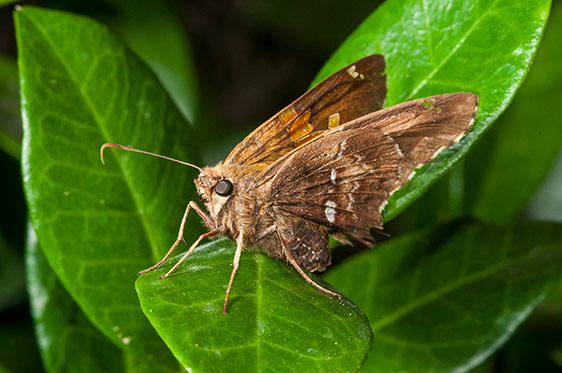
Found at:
(325, 165)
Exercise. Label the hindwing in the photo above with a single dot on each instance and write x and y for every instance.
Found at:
(344, 178)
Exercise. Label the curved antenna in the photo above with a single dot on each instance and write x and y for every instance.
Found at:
(111, 145)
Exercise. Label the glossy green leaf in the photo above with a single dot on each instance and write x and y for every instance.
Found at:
(275, 319)
(484, 47)
(504, 170)
(443, 299)
(99, 225)
(10, 122)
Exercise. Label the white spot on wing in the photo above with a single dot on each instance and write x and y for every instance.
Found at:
(330, 212)
(351, 201)
(333, 176)
(437, 152)
(351, 71)
(398, 150)
(343, 146)
(383, 205)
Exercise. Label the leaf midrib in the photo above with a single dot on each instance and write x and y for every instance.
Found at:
(103, 131)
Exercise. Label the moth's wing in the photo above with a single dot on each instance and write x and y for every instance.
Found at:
(306, 240)
(350, 93)
(344, 179)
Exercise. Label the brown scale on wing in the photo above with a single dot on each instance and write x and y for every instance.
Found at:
(307, 241)
(340, 98)
(343, 180)
(343, 186)
(422, 128)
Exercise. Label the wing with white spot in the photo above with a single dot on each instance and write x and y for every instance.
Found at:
(348, 94)
(343, 179)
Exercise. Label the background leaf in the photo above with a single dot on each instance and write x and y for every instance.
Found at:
(6, 2)
(484, 47)
(12, 279)
(99, 225)
(167, 52)
(547, 202)
(10, 122)
(445, 298)
(275, 319)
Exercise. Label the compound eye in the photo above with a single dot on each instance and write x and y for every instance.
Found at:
(223, 188)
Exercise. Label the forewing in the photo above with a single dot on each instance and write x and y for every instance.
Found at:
(344, 179)
(348, 94)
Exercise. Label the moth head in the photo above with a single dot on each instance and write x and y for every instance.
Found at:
(214, 188)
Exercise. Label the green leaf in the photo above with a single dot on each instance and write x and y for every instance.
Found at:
(98, 226)
(484, 47)
(275, 319)
(506, 168)
(443, 299)
(6, 2)
(547, 202)
(18, 351)
(167, 51)
(557, 355)
(67, 340)
(10, 122)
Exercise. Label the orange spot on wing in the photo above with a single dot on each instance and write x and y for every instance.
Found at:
(334, 120)
(287, 116)
(300, 127)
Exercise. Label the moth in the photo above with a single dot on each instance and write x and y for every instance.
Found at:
(326, 164)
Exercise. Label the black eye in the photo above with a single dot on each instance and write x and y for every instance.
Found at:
(223, 188)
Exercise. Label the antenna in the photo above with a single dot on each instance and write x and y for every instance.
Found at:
(111, 145)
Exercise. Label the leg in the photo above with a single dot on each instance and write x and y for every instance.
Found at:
(294, 263)
(190, 205)
(191, 249)
(235, 264)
